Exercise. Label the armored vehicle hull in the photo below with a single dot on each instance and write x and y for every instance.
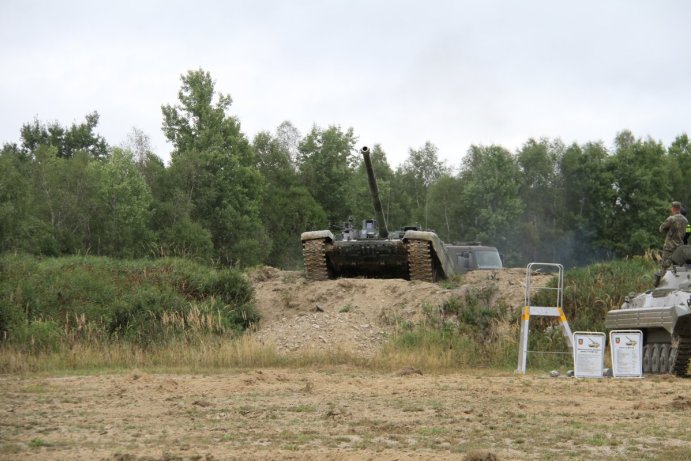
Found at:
(664, 316)
(418, 255)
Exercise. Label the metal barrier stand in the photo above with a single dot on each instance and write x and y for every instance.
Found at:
(555, 310)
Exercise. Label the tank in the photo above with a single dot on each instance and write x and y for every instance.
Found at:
(372, 251)
(663, 314)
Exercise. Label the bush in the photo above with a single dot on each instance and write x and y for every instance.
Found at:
(102, 299)
(591, 291)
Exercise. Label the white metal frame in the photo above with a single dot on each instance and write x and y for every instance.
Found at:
(544, 311)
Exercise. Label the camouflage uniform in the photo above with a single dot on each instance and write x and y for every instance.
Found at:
(675, 227)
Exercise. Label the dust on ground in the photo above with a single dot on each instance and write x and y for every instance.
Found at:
(357, 314)
(341, 413)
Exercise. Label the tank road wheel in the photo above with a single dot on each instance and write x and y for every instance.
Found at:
(646, 358)
(664, 358)
(420, 261)
(314, 254)
(655, 359)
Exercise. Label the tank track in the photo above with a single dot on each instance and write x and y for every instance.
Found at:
(420, 261)
(314, 255)
(680, 364)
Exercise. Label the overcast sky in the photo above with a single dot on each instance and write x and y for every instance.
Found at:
(399, 72)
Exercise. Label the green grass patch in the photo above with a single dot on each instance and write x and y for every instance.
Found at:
(47, 303)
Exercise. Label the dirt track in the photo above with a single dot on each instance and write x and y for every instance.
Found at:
(342, 414)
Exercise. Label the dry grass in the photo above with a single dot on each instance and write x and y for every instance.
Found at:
(208, 353)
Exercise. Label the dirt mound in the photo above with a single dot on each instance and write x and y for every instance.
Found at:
(358, 314)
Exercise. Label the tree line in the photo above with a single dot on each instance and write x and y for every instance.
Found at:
(229, 200)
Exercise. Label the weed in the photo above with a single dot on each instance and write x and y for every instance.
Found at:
(37, 443)
(303, 409)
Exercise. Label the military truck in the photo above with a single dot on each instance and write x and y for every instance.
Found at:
(371, 251)
(663, 314)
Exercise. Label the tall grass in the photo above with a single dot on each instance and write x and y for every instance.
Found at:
(46, 304)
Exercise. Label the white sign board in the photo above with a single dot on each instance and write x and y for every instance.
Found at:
(588, 354)
(627, 353)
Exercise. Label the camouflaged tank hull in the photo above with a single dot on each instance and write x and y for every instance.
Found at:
(418, 255)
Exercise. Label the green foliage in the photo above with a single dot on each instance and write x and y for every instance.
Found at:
(67, 141)
(589, 293)
(538, 181)
(419, 171)
(586, 198)
(325, 161)
(288, 208)
(125, 198)
(593, 290)
(225, 200)
(469, 327)
(214, 170)
(642, 196)
(491, 195)
(44, 302)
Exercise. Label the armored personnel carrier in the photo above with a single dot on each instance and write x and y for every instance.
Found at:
(663, 314)
(371, 251)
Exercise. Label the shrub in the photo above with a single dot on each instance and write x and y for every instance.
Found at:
(101, 299)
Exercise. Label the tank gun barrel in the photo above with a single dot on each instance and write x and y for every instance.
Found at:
(374, 191)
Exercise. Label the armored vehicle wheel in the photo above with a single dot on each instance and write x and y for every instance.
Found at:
(664, 358)
(655, 359)
(646, 358)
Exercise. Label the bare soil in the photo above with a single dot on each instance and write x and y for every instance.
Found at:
(358, 314)
(342, 414)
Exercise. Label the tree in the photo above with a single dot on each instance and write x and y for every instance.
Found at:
(641, 196)
(326, 163)
(288, 208)
(67, 141)
(491, 204)
(213, 165)
(18, 228)
(586, 200)
(446, 208)
(124, 201)
(679, 153)
(419, 171)
(539, 184)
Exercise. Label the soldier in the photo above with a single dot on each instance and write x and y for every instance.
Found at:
(675, 227)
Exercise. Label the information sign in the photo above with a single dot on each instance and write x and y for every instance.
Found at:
(627, 353)
(588, 354)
